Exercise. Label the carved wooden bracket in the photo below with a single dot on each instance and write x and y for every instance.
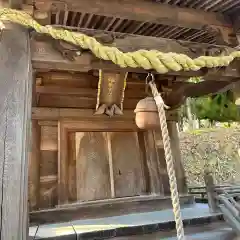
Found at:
(177, 96)
(212, 50)
(42, 12)
(222, 37)
(111, 89)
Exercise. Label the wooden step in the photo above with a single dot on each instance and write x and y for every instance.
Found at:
(148, 223)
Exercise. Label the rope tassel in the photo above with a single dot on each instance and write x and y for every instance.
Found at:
(152, 59)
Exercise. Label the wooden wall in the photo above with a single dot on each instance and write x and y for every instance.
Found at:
(101, 165)
(98, 164)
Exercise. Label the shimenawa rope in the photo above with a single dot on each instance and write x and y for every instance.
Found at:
(152, 59)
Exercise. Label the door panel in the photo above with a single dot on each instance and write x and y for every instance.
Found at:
(127, 164)
(93, 181)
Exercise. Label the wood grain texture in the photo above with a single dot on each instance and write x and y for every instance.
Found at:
(153, 166)
(105, 208)
(49, 138)
(67, 101)
(145, 11)
(34, 167)
(85, 92)
(48, 166)
(110, 161)
(48, 192)
(44, 57)
(62, 164)
(161, 161)
(67, 126)
(127, 164)
(93, 180)
(72, 178)
(86, 114)
(180, 174)
(15, 116)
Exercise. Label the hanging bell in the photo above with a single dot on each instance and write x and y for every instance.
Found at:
(147, 114)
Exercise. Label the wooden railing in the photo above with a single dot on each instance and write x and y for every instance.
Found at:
(224, 198)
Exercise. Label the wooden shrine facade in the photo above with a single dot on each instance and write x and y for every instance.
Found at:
(51, 88)
(78, 156)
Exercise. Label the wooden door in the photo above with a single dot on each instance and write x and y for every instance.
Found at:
(92, 166)
(127, 164)
(108, 165)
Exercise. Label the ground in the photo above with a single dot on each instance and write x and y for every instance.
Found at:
(220, 147)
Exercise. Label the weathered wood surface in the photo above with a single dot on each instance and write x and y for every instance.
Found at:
(93, 177)
(47, 114)
(72, 171)
(180, 174)
(67, 126)
(152, 162)
(49, 138)
(144, 11)
(48, 166)
(129, 179)
(105, 208)
(45, 57)
(62, 164)
(34, 166)
(157, 134)
(15, 116)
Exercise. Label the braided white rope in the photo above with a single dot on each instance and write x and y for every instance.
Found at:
(169, 161)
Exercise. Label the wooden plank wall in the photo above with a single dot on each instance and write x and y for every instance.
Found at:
(100, 165)
(131, 167)
(48, 166)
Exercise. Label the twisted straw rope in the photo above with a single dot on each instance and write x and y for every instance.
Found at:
(169, 161)
(153, 59)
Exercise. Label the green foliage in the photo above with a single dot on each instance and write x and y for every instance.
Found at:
(217, 108)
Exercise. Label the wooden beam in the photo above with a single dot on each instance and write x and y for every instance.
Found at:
(145, 11)
(84, 92)
(45, 57)
(59, 90)
(28, 8)
(15, 4)
(15, 116)
(54, 114)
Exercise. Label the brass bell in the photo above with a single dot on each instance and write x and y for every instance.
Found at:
(147, 114)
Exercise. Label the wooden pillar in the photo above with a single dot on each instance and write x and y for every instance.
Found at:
(15, 117)
(211, 195)
(34, 166)
(180, 174)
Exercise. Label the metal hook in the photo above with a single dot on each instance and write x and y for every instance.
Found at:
(150, 75)
(149, 78)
